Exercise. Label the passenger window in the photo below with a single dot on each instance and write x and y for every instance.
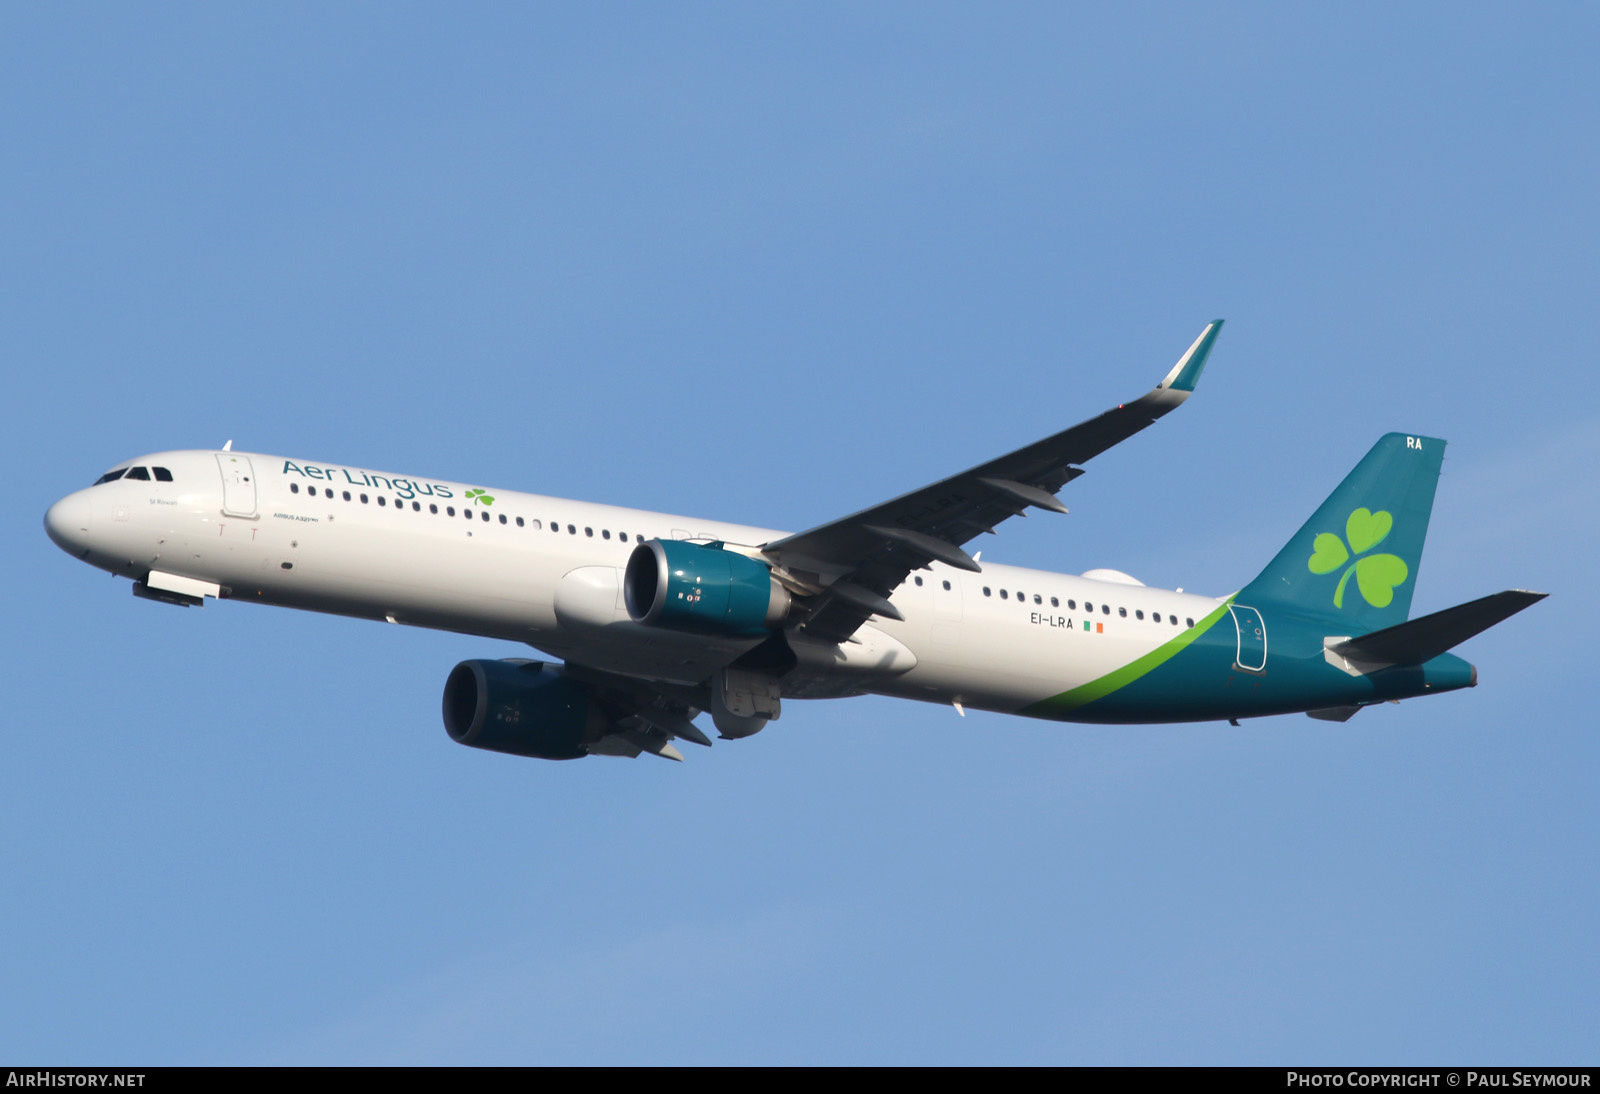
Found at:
(162, 474)
(363, 499)
(918, 581)
(1088, 607)
(519, 522)
(347, 495)
(589, 532)
(605, 533)
(140, 473)
(1138, 614)
(484, 513)
(572, 529)
(1190, 622)
(1003, 594)
(450, 509)
(1123, 612)
(381, 501)
(503, 518)
(946, 586)
(623, 536)
(1105, 609)
(1036, 599)
(433, 508)
(328, 492)
(294, 488)
(1174, 620)
(1072, 605)
(986, 590)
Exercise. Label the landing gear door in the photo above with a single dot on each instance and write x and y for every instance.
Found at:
(1252, 639)
(238, 485)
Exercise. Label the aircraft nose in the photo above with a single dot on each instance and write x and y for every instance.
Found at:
(67, 522)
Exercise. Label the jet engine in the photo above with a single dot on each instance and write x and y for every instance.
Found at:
(702, 588)
(526, 708)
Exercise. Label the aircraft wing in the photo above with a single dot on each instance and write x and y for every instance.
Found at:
(854, 564)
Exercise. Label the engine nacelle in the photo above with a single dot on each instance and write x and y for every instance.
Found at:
(702, 588)
(526, 708)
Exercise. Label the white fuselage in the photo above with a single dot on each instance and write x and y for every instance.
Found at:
(547, 572)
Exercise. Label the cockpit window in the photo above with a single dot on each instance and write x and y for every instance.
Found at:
(140, 473)
(162, 474)
(111, 476)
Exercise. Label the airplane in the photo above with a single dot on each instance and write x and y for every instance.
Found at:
(653, 619)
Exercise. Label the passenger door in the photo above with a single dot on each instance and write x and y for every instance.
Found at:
(238, 485)
(1252, 655)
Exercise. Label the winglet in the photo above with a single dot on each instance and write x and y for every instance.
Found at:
(1186, 373)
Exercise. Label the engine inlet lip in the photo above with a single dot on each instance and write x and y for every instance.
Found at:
(466, 701)
(644, 582)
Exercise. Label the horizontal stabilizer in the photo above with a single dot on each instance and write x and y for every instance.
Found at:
(1422, 639)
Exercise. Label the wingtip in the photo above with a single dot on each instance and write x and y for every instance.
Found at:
(1186, 373)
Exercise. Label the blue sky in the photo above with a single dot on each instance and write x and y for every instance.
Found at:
(771, 264)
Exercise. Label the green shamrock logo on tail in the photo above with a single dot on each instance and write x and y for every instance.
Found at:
(1376, 575)
(481, 497)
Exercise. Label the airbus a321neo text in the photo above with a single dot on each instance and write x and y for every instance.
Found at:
(653, 618)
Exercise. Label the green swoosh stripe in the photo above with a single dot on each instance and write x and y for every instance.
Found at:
(1084, 694)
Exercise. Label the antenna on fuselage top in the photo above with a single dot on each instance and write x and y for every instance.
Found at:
(229, 446)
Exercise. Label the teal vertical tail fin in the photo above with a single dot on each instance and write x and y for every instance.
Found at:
(1356, 560)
